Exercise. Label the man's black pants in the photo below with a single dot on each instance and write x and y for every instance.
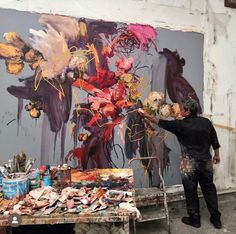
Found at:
(199, 171)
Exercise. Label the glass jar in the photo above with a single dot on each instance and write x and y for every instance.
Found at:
(64, 177)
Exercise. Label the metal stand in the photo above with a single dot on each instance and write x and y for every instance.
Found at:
(162, 185)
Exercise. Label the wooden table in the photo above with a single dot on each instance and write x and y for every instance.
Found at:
(105, 216)
(112, 214)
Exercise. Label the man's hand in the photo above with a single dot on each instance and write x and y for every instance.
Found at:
(151, 118)
(216, 158)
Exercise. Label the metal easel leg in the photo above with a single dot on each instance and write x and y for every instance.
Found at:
(163, 185)
(165, 201)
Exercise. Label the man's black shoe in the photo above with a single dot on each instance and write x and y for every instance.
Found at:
(216, 222)
(188, 221)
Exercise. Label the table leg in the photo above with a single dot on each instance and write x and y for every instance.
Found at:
(134, 225)
(3, 230)
(126, 226)
(9, 230)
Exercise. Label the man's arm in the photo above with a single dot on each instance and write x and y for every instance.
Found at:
(169, 125)
(151, 118)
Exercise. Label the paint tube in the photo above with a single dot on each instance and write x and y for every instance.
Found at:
(7, 168)
(4, 172)
(10, 165)
(29, 165)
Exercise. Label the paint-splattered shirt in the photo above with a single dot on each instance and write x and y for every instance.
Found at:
(195, 134)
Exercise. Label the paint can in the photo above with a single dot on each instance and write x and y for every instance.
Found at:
(15, 188)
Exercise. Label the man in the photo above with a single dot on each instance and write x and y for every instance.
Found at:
(196, 135)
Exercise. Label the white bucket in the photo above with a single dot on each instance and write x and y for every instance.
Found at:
(15, 188)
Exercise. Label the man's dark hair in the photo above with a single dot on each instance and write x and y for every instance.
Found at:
(190, 105)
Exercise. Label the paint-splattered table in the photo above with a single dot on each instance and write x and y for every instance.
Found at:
(117, 215)
(111, 214)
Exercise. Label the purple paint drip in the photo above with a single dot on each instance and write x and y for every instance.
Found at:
(45, 141)
(63, 138)
(19, 113)
(54, 146)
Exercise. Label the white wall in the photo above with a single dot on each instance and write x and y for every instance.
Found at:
(209, 17)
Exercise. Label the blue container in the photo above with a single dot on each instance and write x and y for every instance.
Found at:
(0, 184)
(15, 188)
(46, 181)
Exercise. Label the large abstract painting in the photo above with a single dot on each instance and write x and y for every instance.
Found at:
(98, 83)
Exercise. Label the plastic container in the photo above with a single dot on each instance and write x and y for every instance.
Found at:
(34, 179)
(15, 188)
(2, 169)
(0, 183)
(46, 181)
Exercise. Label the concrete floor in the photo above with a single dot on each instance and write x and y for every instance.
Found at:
(227, 206)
